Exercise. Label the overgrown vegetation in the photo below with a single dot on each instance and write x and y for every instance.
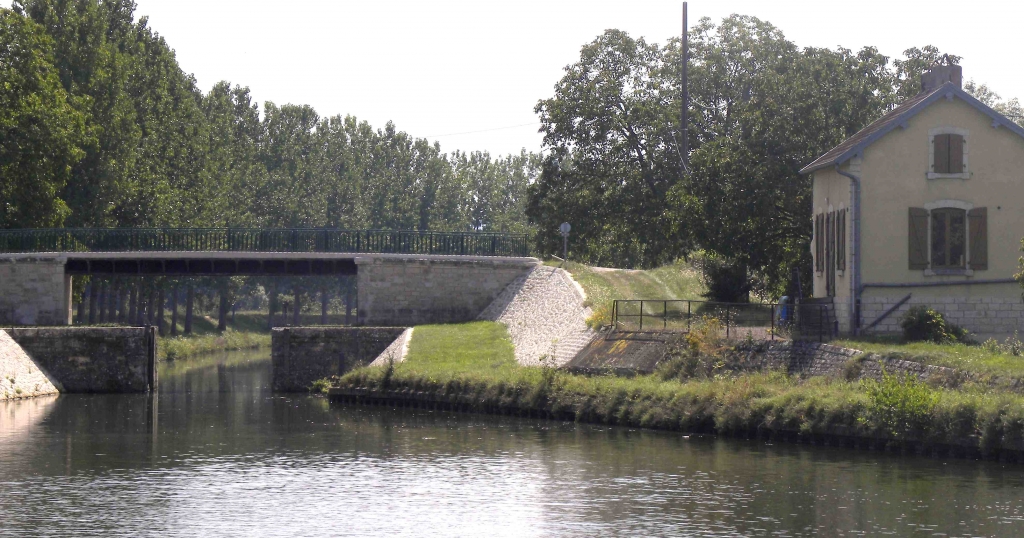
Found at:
(922, 323)
(450, 364)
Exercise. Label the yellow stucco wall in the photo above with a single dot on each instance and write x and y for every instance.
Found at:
(893, 178)
(832, 192)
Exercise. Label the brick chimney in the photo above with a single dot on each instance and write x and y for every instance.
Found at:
(937, 75)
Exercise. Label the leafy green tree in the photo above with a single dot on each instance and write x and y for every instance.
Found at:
(611, 122)
(41, 131)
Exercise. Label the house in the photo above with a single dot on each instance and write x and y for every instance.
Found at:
(924, 206)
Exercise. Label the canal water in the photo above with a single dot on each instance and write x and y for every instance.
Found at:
(215, 453)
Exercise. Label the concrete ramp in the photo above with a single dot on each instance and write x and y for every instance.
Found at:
(20, 376)
(620, 354)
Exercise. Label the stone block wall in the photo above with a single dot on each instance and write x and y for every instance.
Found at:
(34, 291)
(93, 359)
(19, 375)
(986, 317)
(813, 359)
(411, 291)
(302, 355)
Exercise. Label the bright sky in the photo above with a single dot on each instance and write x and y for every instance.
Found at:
(468, 73)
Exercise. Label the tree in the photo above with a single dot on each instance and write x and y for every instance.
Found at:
(612, 123)
(41, 132)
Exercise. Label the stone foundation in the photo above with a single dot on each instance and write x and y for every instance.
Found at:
(93, 359)
(302, 355)
(996, 317)
(403, 291)
(813, 359)
(34, 291)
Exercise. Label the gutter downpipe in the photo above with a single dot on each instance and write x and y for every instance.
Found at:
(855, 289)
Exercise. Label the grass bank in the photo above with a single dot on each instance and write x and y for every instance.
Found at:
(247, 331)
(471, 367)
(602, 285)
(975, 359)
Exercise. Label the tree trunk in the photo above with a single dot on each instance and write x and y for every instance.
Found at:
(161, 325)
(189, 300)
(133, 304)
(92, 302)
(222, 318)
(122, 315)
(174, 310)
(298, 309)
(151, 303)
(323, 306)
(81, 308)
(271, 308)
(112, 302)
(348, 302)
(103, 300)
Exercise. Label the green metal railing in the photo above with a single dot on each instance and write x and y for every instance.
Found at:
(265, 240)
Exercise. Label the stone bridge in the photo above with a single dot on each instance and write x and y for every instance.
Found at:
(403, 278)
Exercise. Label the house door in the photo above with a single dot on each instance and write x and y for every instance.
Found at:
(830, 254)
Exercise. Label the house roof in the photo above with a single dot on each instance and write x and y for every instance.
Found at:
(897, 117)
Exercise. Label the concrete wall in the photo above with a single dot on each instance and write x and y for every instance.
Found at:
(93, 359)
(34, 291)
(416, 290)
(302, 355)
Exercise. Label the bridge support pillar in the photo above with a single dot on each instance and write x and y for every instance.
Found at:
(409, 290)
(34, 291)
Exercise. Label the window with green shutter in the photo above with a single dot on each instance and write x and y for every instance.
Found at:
(948, 154)
(948, 238)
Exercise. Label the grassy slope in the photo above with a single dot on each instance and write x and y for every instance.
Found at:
(676, 281)
(474, 361)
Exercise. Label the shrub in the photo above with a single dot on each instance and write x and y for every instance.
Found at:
(726, 280)
(923, 323)
(900, 404)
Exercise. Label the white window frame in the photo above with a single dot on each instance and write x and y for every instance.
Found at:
(950, 204)
(946, 129)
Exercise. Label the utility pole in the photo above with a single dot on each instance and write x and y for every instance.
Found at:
(684, 108)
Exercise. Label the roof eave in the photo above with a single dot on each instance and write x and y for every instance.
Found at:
(947, 90)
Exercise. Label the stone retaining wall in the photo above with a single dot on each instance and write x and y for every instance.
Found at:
(302, 355)
(413, 291)
(995, 317)
(546, 317)
(813, 359)
(93, 359)
(34, 291)
(19, 375)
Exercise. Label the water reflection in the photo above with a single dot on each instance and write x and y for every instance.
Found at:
(215, 453)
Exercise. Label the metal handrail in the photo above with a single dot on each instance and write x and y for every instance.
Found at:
(263, 240)
(731, 314)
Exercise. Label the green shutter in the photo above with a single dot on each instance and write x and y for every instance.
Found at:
(940, 164)
(918, 238)
(956, 154)
(841, 240)
(977, 220)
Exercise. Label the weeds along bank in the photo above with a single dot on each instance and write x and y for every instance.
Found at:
(246, 331)
(472, 368)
